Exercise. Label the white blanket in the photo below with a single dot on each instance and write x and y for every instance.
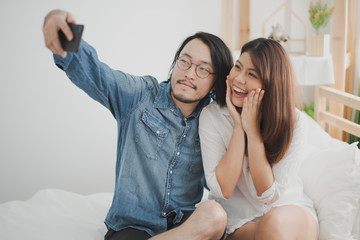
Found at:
(55, 214)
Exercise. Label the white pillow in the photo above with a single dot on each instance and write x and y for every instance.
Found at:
(356, 226)
(331, 176)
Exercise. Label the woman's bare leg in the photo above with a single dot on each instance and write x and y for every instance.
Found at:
(287, 222)
(246, 232)
(281, 223)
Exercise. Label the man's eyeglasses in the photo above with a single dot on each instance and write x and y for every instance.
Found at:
(201, 70)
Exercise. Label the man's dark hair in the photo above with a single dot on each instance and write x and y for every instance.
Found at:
(221, 58)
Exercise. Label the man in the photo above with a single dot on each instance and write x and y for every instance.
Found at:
(159, 174)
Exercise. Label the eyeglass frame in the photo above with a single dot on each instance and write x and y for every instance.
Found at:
(196, 67)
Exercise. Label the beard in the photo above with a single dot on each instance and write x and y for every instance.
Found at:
(181, 97)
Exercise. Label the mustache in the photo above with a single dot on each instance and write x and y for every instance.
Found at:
(187, 83)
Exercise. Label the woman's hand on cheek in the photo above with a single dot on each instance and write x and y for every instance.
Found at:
(235, 115)
(250, 113)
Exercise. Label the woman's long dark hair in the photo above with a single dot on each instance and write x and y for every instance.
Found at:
(279, 101)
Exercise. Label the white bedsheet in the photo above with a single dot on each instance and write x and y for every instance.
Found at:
(58, 214)
(55, 214)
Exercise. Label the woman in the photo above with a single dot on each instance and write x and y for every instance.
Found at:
(252, 143)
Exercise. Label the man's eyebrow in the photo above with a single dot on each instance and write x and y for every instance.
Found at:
(186, 55)
(189, 56)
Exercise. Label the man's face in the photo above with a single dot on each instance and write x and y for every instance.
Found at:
(186, 86)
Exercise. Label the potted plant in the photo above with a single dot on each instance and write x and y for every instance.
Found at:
(319, 16)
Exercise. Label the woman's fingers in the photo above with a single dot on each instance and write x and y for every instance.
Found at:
(251, 111)
(235, 115)
(228, 91)
(255, 98)
(229, 104)
(261, 95)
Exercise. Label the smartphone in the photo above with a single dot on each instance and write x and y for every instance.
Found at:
(73, 45)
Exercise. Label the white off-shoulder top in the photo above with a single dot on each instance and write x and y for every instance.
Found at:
(215, 130)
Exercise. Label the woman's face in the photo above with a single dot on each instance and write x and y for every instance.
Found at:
(243, 78)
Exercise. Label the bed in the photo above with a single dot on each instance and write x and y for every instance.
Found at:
(55, 214)
(330, 172)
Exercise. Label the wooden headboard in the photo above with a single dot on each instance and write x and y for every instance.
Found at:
(323, 116)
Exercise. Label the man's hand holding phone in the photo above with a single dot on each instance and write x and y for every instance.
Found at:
(60, 21)
(73, 45)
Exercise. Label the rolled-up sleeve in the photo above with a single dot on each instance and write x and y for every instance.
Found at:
(270, 195)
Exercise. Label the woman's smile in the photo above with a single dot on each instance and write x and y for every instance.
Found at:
(238, 92)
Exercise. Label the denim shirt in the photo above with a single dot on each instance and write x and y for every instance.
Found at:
(158, 167)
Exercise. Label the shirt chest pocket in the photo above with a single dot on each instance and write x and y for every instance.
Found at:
(150, 134)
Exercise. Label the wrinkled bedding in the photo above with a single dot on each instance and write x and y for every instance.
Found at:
(55, 214)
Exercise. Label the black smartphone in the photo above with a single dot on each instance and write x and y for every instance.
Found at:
(73, 45)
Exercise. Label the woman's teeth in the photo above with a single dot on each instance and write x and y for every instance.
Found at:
(239, 91)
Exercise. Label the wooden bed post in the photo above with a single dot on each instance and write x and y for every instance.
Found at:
(228, 20)
(343, 53)
(339, 34)
(228, 23)
(244, 28)
(350, 56)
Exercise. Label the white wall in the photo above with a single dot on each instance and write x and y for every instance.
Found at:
(52, 135)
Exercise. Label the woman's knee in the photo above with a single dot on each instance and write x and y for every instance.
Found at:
(286, 222)
(271, 226)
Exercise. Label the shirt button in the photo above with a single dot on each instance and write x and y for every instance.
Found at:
(184, 136)
(185, 119)
(172, 109)
(164, 213)
(157, 132)
(170, 171)
(178, 153)
(168, 193)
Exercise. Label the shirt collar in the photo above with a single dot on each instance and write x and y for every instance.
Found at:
(164, 100)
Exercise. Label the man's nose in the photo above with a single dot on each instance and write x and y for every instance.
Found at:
(191, 72)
